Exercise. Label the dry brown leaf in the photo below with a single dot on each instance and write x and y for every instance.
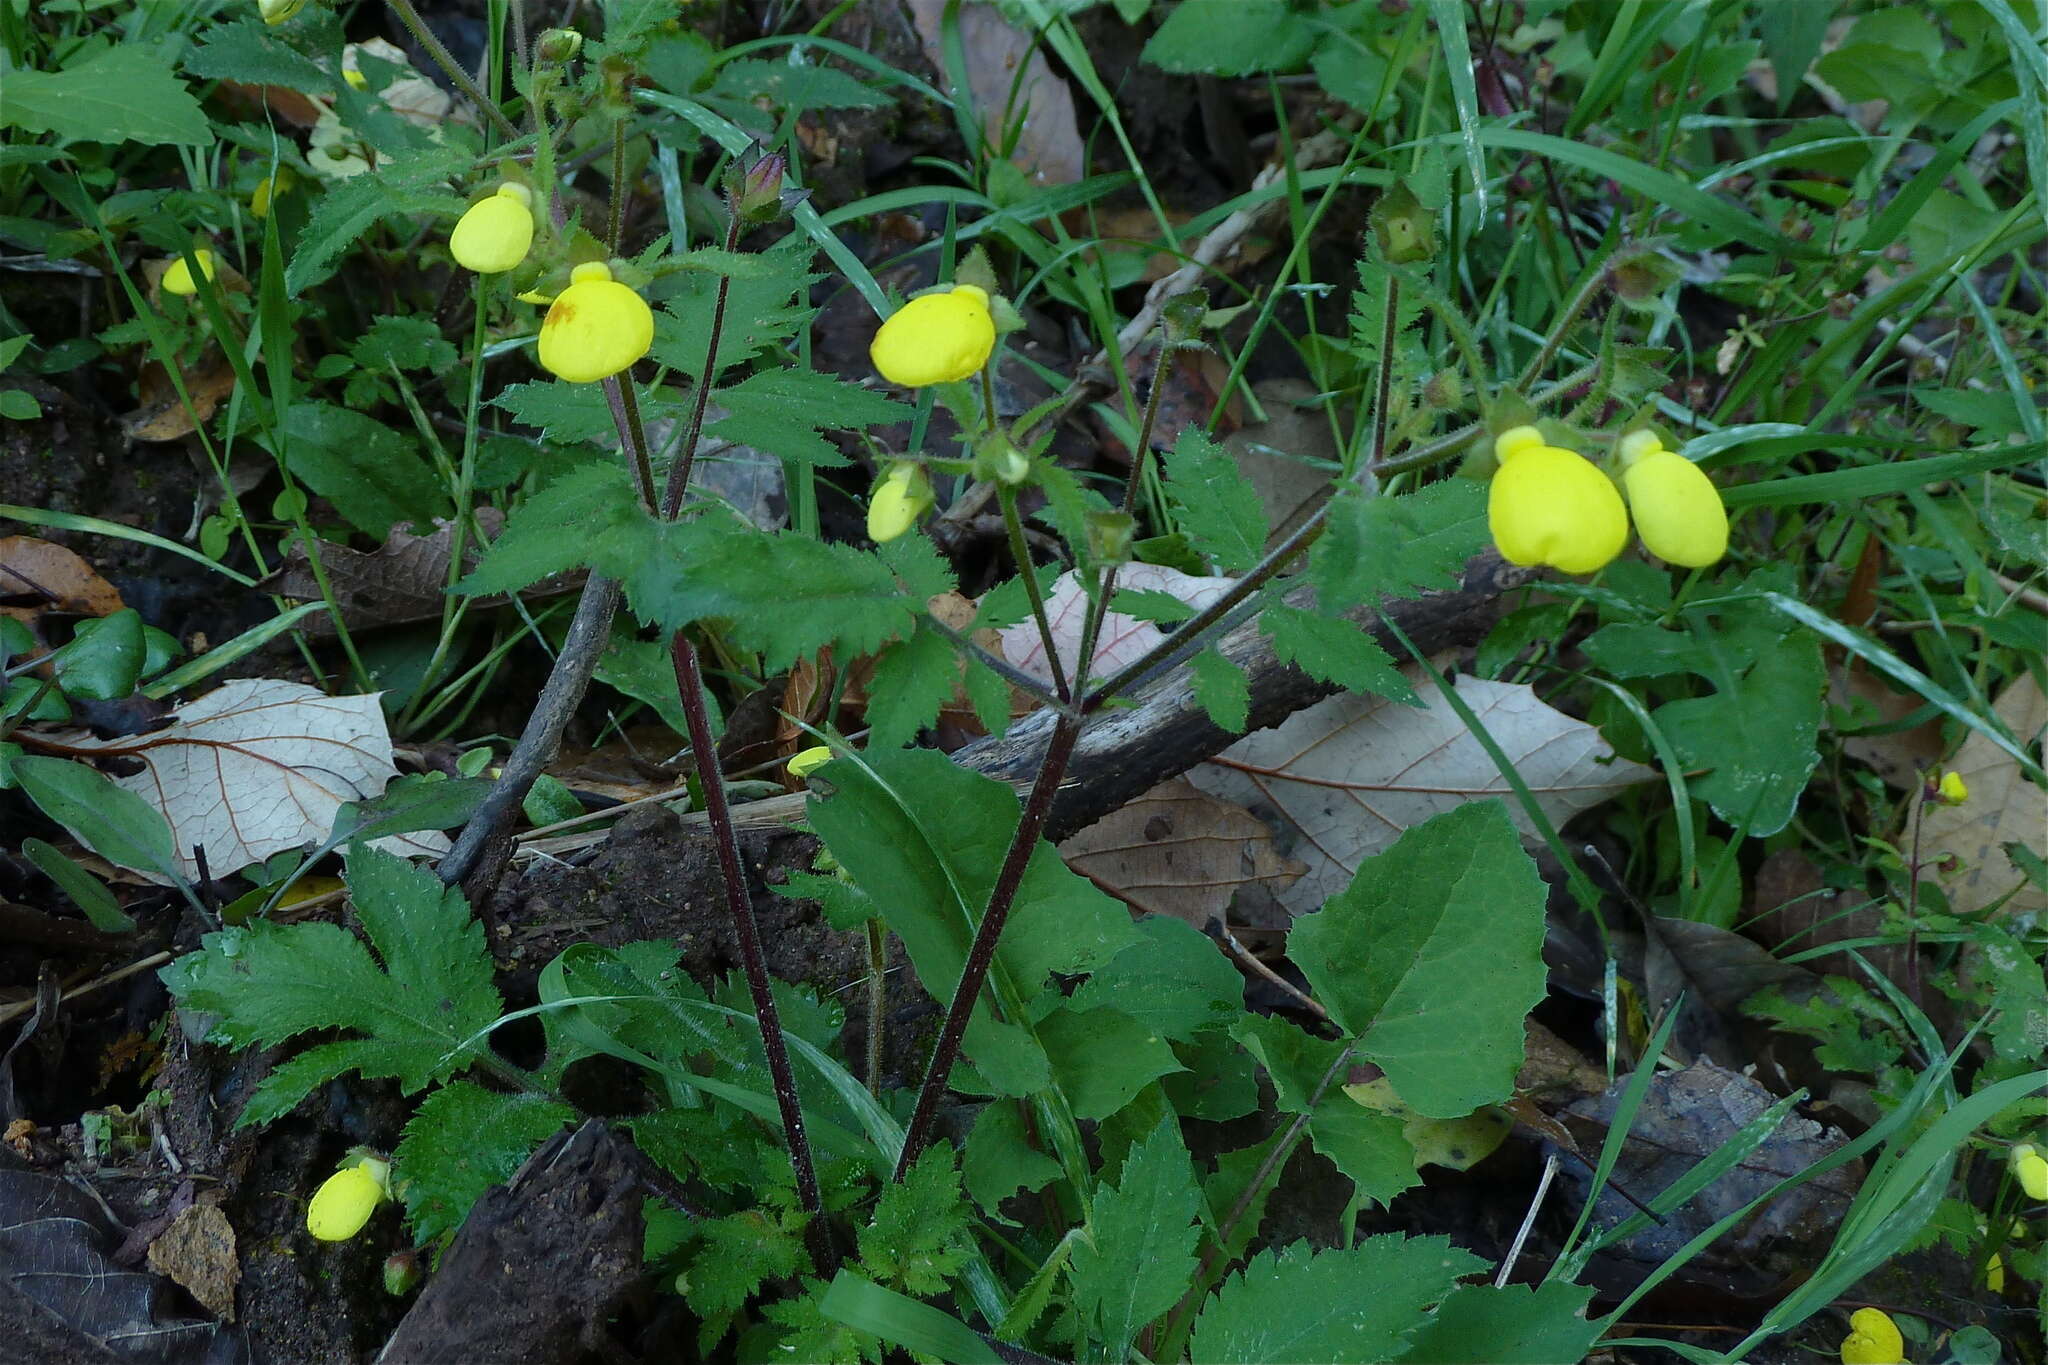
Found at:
(1048, 146)
(2003, 808)
(1900, 757)
(37, 577)
(162, 415)
(1178, 851)
(1346, 776)
(198, 1251)
(1280, 454)
(401, 581)
(258, 766)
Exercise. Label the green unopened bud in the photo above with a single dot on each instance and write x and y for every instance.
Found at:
(1639, 277)
(558, 45)
(1444, 390)
(1404, 230)
(402, 1273)
(1109, 536)
(997, 460)
(1182, 317)
(754, 186)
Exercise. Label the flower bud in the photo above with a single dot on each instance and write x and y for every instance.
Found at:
(178, 278)
(1873, 1339)
(2030, 1168)
(1110, 533)
(274, 184)
(345, 1201)
(402, 1273)
(809, 761)
(1549, 505)
(277, 11)
(1678, 510)
(1181, 317)
(936, 338)
(997, 460)
(558, 44)
(1951, 790)
(1403, 228)
(595, 328)
(754, 187)
(903, 495)
(496, 233)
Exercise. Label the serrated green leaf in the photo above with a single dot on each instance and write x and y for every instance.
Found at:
(917, 1239)
(1297, 1063)
(565, 413)
(1137, 1258)
(926, 838)
(796, 87)
(404, 342)
(781, 412)
(1236, 39)
(1389, 546)
(1368, 1148)
(738, 1254)
(1432, 957)
(913, 679)
(1223, 690)
(1000, 1159)
(373, 475)
(589, 513)
(1215, 504)
(121, 94)
(254, 53)
(1334, 651)
(760, 311)
(1346, 1306)
(1173, 980)
(421, 1013)
(462, 1140)
(400, 185)
(1514, 1324)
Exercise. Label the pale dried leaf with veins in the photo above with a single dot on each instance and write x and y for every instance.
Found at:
(1349, 774)
(2003, 808)
(1123, 639)
(1178, 851)
(257, 766)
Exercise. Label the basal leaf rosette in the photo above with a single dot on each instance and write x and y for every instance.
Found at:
(1553, 506)
(1678, 511)
(595, 328)
(937, 338)
(496, 232)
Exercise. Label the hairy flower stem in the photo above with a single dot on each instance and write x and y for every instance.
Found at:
(1020, 550)
(878, 1000)
(1098, 608)
(679, 472)
(733, 877)
(1573, 306)
(625, 406)
(981, 954)
(1383, 389)
(442, 58)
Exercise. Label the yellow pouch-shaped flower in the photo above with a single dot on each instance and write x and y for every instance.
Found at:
(594, 328)
(274, 184)
(1873, 1339)
(1953, 791)
(277, 11)
(899, 500)
(810, 760)
(178, 279)
(346, 1199)
(1678, 510)
(935, 338)
(1549, 505)
(494, 235)
(2030, 1168)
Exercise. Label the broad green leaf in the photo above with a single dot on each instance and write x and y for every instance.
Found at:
(1357, 1305)
(418, 1008)
(462, 1140)
(1390, 546)
(1173, 980)
(374, 476)
(1334, 651)
(932, 1333)
(796, 88)
(254, 53)
(111, 821)
(409, 804)
(104, 657)
(587, 514)
(121, 94)
(1370, 1149)
(1223, 691)
(1297, 1063)
(1240, 38)
(1215, 504)
(1101, 1058)
(1432, 957)
(86, 891)
(1515, 1324)
(781, 412)
(925, 839)
(1137, 1257)
(1000, 1159)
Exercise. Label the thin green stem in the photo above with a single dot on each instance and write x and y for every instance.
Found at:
(878, 1000)
(616, 228)
(1383, 388)
(1588, 289)
(1142, 451)
(444, 59)
(1020, 550)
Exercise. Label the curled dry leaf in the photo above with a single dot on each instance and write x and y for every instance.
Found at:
(2004, 808)
(1178, 851)
(258, 766)
(1123, 639)
(1343, 778)
(161, 414)
(37, 576)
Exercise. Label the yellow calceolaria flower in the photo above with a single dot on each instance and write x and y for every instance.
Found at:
(1953, 791)
(810, 760)
(346, 1199)
(178, 278)
(495, 234)
(2030, 1168)
(1549, 505)
(935, 338)
(594, 328)
(899, 500)
(1678, 510)
(277, 11)
(274, 184)
(1873, 1339)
